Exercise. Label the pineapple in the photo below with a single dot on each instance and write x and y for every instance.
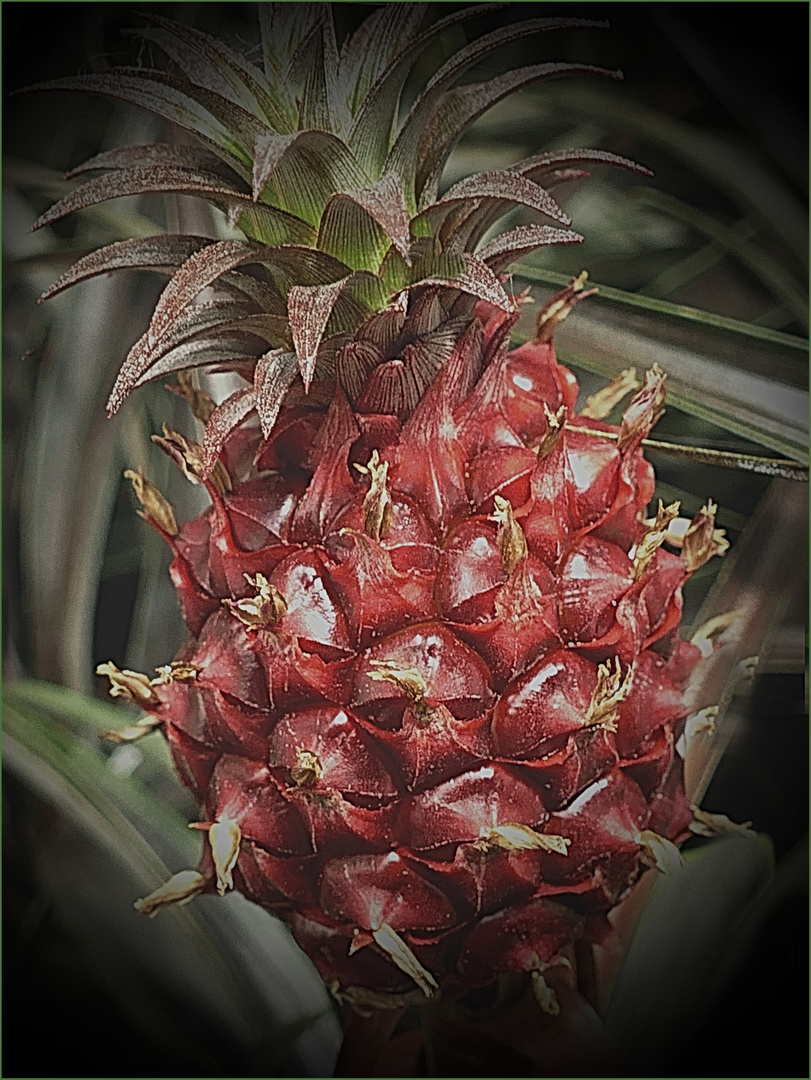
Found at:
(433, 684)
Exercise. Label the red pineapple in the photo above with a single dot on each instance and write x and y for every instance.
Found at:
(433, 683)
(429, 723)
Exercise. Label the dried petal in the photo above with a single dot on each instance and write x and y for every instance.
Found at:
(702, 540)
(653, 537)
(178, 890)
(156, 508)
(644, 410)
(405, 959)
(659, 852)
(599, 405)
(225, 836)
(131, 685)
(706, 824)
(511, 540)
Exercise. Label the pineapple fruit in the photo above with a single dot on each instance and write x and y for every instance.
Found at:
(433, 684)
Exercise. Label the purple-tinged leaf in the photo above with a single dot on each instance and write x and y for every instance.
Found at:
(138, 179)
(203, 319)
(294, 264)
(224, 126)
(208, 62)
(518, 242)
(194, 275)
(504, 186)
(163, 253)
(403, 156)
(212, 353)
(541, 167)
(468, 273)
(264, 294)
(184, 157)
(458, 108)
(537, 166)
(370, 135)
(222, 422)
(308, 309)
(275, 371)
(358, 226)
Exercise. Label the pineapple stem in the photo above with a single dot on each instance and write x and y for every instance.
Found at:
(767, 466)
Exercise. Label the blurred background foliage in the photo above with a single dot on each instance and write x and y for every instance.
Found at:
(702, 268)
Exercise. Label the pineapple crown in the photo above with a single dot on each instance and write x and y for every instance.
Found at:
(349, 253)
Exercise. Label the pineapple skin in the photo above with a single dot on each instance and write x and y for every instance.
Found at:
(433, 684)
(410, 729)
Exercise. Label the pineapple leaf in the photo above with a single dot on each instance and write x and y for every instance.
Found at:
(358, 226)
(222, 422)
(458, 108)
(549, 169)
(275, 371)
(505, 186)
(518, 242)
(321, 107)
(370, 134)
(310, 307)
(184, 157)
(366, 53)
(227, 128)
(466, 272)
(303, 170)
(209, 352)
(404, 153)
(283, 27)
(208, 62)
(194, 275)
(539, 165)
(275, 225)
(164, 253)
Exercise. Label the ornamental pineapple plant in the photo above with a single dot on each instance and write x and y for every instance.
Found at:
(433, 687)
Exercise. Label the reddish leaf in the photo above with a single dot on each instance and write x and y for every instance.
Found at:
(518, 242)
(161, 253)
(222, 422)
(275, 370)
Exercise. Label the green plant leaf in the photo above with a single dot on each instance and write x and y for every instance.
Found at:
(210, 63)
(718, 370)
(779, 281)
(686, 929)
(458, 108)
(229, 960)
(403, 155)
(370, 134)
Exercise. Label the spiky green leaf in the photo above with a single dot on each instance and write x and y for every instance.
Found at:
(370, 135)
(403, 155)
(211, 64)
(299, 172)
(358, 226)
(458, 108)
